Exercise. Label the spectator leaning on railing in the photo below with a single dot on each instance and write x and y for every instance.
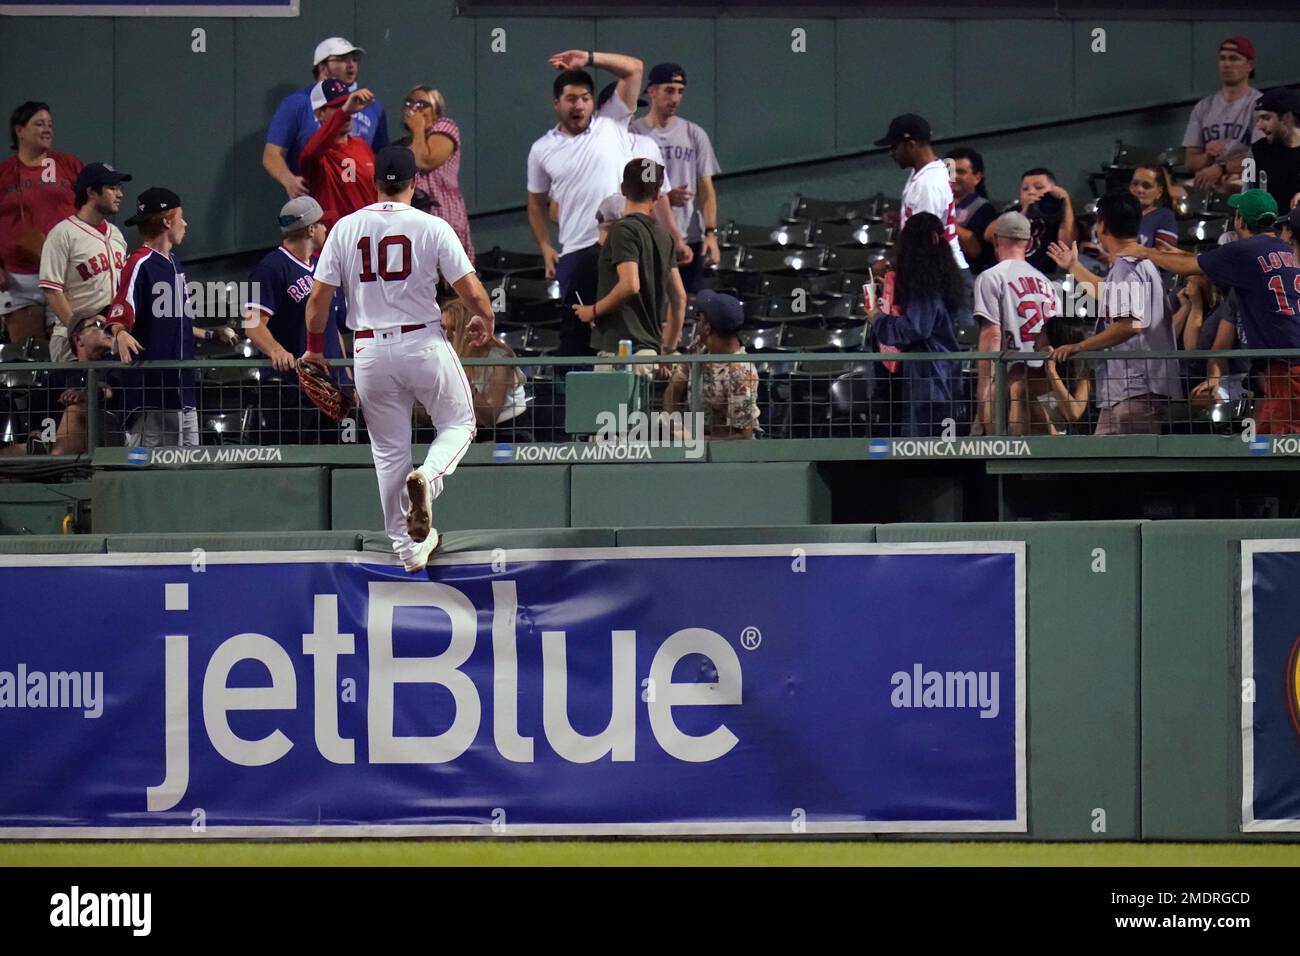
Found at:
(931, 303)
(90, 342)
(83, 256)
(1263, 269)
(498, 390)
(36, 191)
(1133, 393)
(728, 390)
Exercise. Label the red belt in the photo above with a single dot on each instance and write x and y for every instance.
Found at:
(370, 333)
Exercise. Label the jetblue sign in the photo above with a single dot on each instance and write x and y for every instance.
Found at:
(715, 690)
(1270, 699)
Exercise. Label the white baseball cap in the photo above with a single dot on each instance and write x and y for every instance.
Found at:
(610, 208)
(334, 46)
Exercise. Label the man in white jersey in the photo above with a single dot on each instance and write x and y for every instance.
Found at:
(388, 258)
(1013, 300)
(929, 187)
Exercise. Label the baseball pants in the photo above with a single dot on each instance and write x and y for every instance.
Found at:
(394, 370)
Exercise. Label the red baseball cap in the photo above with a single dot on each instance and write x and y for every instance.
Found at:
(1239, 45)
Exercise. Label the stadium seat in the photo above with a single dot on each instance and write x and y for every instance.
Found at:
(786, 281)
(772, 256)
(852, 257)
(531, 285)
(831, 232)
(737, 281)
(498, 258)
(736, 233)
(803, 339)
(792, 232)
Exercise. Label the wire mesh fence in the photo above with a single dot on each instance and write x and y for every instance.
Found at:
(770, 392)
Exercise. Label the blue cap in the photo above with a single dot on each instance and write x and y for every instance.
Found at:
(723, 312)
(666, 73)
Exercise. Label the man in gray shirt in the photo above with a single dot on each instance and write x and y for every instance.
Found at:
(1133, 394)
(691, 163)
(1222, 126)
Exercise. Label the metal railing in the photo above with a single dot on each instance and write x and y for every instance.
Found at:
(74, 408)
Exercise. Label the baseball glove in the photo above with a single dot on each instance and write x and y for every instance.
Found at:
(323, 392)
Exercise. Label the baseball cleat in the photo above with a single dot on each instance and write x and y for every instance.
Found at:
(419, 517)
(423, 551)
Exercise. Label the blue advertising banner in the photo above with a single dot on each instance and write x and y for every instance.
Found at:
(696, 690)
(151, 8)
(1270, 702)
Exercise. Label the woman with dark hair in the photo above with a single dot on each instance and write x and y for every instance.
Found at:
(36, 192)
(1152, 188)
(927, 303)
(435, 140)
(1048, 404)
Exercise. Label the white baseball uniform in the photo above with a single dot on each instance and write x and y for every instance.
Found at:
(388, 257)
(83, 262)
(1018, 299)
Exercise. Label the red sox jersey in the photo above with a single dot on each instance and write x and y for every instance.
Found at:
(929, 190)
(84, 262)
(1018, 299)
(388, 257)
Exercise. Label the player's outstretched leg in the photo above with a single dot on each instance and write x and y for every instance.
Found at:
(438, 380)
(419, 516)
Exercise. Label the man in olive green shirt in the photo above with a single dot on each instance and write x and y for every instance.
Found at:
(637, 278)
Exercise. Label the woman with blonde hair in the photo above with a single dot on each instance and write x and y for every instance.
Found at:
(435, 140)
(498, 390)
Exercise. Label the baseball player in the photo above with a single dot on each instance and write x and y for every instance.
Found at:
(83, 256)
(388, 258)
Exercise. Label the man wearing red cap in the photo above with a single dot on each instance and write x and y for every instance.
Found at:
(1222, 126)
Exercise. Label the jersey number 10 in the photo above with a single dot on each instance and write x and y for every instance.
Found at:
(368, 273)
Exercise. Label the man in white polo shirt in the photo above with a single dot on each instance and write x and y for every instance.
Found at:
(580, 162)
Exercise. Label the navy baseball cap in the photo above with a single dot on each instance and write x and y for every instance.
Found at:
(1292, 221)
(608, 92)
(666, 73)
(1279, 101)
(395, 164)
(99, 175)
(329, 92)
(907, 126)
(153, 200)
(723, 312)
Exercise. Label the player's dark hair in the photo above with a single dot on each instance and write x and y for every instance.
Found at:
(21, 117)
(572, 78)
(642, 179)
(1120, 213)
(392, 189)
(1039, 171)
(926, 268)
(976, 164)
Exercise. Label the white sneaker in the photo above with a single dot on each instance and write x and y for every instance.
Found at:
(423, 552)
(419, 517)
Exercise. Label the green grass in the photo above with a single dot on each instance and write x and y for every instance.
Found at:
(502, 852)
